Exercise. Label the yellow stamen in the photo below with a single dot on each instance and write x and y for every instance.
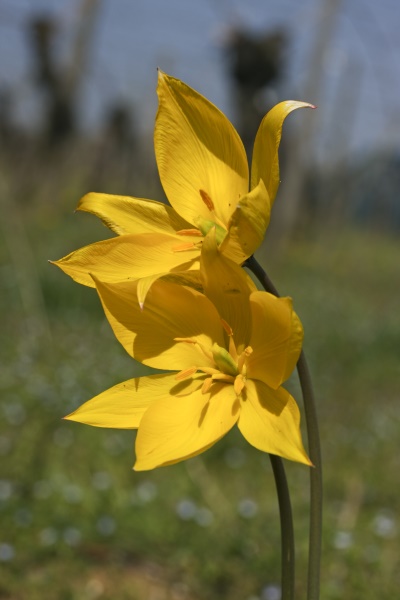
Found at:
(223, 377)
(182, 247)
(190, 232)
(229, 368)
(232, 349)
(208, 370)
(238, 384)
(207, 200)
(232, 346)
(242, 358)
(227, 327)
(186, 373)
(206, 385)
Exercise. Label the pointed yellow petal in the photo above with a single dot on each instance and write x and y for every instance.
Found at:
(270, 421)
(265, 163)
(170, 311)
(177, 428)
(143, 286)
(128, 257)
(295, 345)
(123, 406)
(247, 225)
(200, 156)
(124, 214)
(229, 288)
(276, 339)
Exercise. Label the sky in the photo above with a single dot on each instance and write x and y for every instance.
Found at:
(359, 95)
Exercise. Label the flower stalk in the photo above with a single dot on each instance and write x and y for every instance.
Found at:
(314, 448)
(287, 533)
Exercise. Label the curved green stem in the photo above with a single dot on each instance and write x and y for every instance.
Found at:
(314, 557)
(314, 448)
(287, 533)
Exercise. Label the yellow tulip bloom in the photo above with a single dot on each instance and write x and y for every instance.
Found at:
(226, 353)
(204, 172)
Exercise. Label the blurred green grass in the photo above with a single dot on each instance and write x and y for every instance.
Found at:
(78, 523)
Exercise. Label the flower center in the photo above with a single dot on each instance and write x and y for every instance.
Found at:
(229, 366)
(206, 224)
(203, 227)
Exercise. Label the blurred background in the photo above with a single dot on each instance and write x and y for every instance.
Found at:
(77, 108)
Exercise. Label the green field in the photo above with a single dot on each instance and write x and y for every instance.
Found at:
(77, 523)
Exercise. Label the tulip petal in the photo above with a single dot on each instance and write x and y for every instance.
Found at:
(229, 287)
(129, 257)
(276, 339)
(124, 214)
(188, 278)
(248, 225)
(123, 406)
(270, 421)
(170, 311)
(265, 164)
(177, 428)
(143, 286)
(295, 346)
(200, 156)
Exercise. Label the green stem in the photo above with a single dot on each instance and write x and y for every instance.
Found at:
(314, 556)
(314, 448)
(287, 534)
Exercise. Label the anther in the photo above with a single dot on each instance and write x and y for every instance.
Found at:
(242, 358)
(206, 385)
(186, 373)
(227, 327)
(182, 247)
(190, 232)
(238, 384)
(232, 346)
(207, 200)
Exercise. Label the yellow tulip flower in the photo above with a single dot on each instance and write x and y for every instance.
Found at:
(226, 353)
(204, 172)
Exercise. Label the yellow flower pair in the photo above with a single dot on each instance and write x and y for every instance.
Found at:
(226, 347)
